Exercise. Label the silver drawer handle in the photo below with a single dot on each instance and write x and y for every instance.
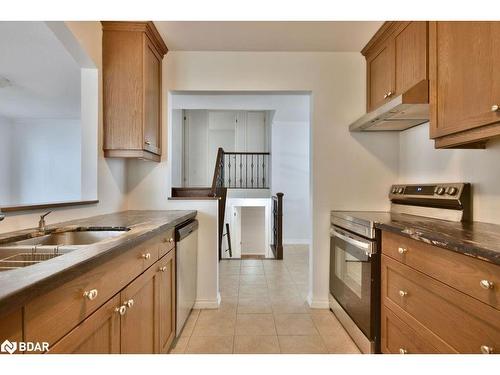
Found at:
(146, 256)
(163, 269)
(121, 310)
(485, 349)
(403, 293)
(147, 142)
(169, 240)
(403, 351)
(402, 250)
(385, 96)
(495, 108)
(486, 284)
(129, 303)
(91, 294)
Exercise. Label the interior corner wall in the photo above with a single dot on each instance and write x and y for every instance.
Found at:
(336, 82)
(111, 173)
(420, 162)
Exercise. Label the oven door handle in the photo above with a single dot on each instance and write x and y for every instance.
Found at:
(362, 245)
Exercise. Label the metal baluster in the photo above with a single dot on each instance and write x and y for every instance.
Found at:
(241, 173)
(252, 172)
(258, 156)
(263, 172)
(235, 172)
(229, 171)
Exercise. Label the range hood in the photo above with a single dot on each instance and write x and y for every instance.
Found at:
(403, 112)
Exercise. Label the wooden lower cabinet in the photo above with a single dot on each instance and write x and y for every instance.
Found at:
(98, 334)
(11, 327)
(140, 319)
(399, 338)
(166, 301)
(425, 311)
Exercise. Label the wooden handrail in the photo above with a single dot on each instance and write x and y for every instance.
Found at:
(246, 153)
(217, 170)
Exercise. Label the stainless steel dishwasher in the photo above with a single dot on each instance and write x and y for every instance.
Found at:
(186, 263)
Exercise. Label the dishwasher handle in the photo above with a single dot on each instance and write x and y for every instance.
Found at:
(185, 230)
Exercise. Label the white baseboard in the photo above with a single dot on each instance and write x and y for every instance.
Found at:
(207, 303)
(316, 303)
(296, 241)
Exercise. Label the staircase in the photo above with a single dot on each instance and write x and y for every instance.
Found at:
(234, 170)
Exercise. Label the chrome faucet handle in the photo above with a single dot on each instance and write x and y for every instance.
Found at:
(41, 223)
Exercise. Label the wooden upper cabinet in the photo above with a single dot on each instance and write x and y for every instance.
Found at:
(132, 75)
(465, 89)
(396, 61)
(380, 70)
(411, 54)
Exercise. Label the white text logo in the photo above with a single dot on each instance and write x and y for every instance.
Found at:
(28, 346)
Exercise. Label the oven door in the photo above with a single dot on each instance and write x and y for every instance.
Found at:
(353, 265)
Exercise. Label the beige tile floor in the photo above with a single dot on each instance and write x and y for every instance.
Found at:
(264, 311)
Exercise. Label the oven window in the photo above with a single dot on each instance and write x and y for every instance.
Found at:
(349, 269)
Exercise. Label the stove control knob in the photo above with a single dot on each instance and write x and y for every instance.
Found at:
(451, 190)
(439, 190)
(394, 190)
(400, 190)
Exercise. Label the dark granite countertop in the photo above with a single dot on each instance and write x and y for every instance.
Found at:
(20, 285)
(475, 239)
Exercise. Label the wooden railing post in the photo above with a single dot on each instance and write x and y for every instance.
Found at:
(277, 245)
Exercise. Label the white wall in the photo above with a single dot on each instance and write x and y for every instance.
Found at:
(177, 147)
(253, 231)
(290, 171)
(420, 162)
(45, 159)
(348, 171)
(110, 172)
(5, 162)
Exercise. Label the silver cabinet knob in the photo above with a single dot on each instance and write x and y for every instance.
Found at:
(389, 93)
(129, 303)
(403, 351)
(485, 349)
(91, 294)
(146, 256)
(402, 250)
(385, 96)
(121, 310)
(163, 269)
(486, 284)
(495, 108)
(168, 240)
(403, 293)
(147, 142)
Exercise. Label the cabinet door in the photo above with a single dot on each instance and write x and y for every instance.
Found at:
(98, 334)
(152, 98)
(380, 73)
(166, 301)
(138, 324)
(464, 57)
(411, 55)
(11, 328)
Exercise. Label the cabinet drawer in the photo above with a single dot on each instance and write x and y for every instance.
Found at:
(167, 242)
(398, 337)
(448, 319)
(456, 270)
(52, 315)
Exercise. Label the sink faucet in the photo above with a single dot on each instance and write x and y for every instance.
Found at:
(41, 223)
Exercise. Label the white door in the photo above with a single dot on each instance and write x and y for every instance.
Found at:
(256, 131)
(196, 148)
(221, 133)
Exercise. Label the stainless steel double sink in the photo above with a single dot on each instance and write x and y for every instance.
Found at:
(26, 252)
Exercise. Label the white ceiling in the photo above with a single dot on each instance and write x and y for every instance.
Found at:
(45, 79)
(336, 36)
